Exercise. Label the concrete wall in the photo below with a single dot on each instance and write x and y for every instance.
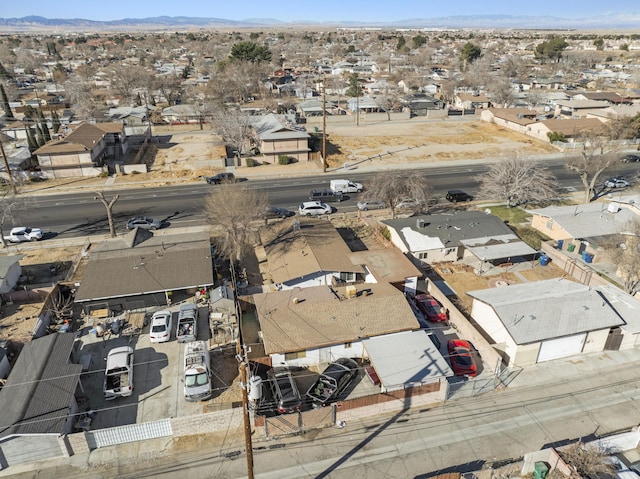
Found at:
(322, 355)
(549, 227)
(595, 341)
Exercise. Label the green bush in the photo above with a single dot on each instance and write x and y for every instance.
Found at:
(251, 162)
(104, 174)
(284, 159)
(385, 233)
(555, 136)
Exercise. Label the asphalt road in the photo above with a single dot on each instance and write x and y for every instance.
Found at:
(80, 214)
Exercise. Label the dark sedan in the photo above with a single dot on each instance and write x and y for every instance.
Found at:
(630, 158)
(462, 358)
(274, 212)
(221, 178)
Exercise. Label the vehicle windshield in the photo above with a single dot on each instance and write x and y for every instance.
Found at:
(192, 380)
(27, 230)
(462, 357)
(158, 328)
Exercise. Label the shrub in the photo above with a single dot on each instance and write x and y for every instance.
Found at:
(555, 136)
(284, 159)
(104, 174)
(135, 172)
(385, 233)
(251, 162)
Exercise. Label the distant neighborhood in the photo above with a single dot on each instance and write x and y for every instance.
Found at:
(404, 301)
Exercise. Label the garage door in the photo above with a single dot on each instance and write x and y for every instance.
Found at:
(561, 347)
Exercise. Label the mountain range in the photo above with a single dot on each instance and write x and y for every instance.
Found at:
(614, 21)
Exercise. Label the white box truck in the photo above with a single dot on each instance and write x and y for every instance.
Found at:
(197, 373)
(345, 186)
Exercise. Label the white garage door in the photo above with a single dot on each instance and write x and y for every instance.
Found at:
(561, 347)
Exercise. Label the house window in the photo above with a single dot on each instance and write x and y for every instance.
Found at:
(347, 345)
(422, 255)
(550, 224)
(348, 277)
(296, 355)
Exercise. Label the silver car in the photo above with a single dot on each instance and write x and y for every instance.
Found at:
(314, 208)
(144, 223)
(371, 205)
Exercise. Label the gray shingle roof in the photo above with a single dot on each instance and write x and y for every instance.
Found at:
(548, 309)
(39, 391)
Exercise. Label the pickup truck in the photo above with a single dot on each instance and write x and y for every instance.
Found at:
(332, 382)
(187, 323)
(118, 377)
(21, 234)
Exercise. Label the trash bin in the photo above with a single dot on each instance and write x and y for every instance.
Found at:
(560, 244)
(588, 258)
(571, 248)
(544, 260)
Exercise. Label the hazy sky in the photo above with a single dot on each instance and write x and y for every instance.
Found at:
(326, 10)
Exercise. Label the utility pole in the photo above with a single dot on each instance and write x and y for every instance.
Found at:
(324, 125)
(6, 165)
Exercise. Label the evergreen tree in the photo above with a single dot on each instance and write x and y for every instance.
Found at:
(55, 122)
(33, 144)
(138, 100)
(5, 103)
(44, 128)
(39, 135)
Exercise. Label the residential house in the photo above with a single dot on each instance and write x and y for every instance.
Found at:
(38, 401)
(388, 266)
(583, 227)
(516, 119)
(278, 136)
(471, 101)
(610, 97)
(140, 269)
(571, 128)
(420, 104)
(181, 114)
(544, 320)
(578, 108)
(310, 325)
(457, 235)
(305, 252)
(364, 104)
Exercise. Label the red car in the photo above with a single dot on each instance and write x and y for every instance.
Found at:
(432, 310)
(462, 358)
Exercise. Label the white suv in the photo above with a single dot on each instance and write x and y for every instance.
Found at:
(309, 208)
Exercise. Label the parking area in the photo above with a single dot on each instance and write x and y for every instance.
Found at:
(157, 378)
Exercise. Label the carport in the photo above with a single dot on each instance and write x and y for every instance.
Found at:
(499, 249)
(407, 359)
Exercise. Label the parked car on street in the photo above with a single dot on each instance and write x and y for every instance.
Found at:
(274, 212)
(144, 222)
(314, 208)
(616, 183)
(160, 329)
(285, 392)
(332, 382)
(433, 311)
(455, 196)
(409, 203)
(371, 205)
(20, 234)
(221, 178)
(462, 358)
(630, 158)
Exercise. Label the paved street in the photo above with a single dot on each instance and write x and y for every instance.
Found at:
(545, 404)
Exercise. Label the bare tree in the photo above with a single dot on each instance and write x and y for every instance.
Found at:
(395, 188)
(108, 204)
(10, 204)
(235, 208)
(235, 128)
(626, 256)
(79, 93)
(125, 79)
(596, 154)
(60, 302)
(587, 460)
(388, 100)
(518, 180)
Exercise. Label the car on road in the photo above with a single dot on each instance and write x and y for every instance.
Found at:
(616, 183)
(409, 203)
(144, 222)
(221, 178)
(326, 195)
(371, 205)
(160, 330)
(274, 212)
(433, 311)
(630, 158)
(314, 208)
(332, 382)
(455, 196)
(20, 234)
(462, 358)
(285, 392)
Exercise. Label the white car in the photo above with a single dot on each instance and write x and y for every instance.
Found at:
(160, 330)
(314, 208)
(21, 234)
(616, 183)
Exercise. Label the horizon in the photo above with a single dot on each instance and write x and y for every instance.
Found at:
(375, 11)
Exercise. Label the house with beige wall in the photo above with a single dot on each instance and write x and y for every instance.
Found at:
(277, 135)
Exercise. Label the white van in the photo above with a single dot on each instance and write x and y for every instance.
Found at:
(345, 186)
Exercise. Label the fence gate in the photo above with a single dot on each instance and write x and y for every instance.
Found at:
(129, 433)
(282, 425)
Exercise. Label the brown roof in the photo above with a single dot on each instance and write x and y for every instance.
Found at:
(573, 126)
(520, 116)
(472, 97)
(111, 127)
(61, 147)
(323, 316)
(161, 263)
(386, 265)
(315, 246)
(86, 134)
